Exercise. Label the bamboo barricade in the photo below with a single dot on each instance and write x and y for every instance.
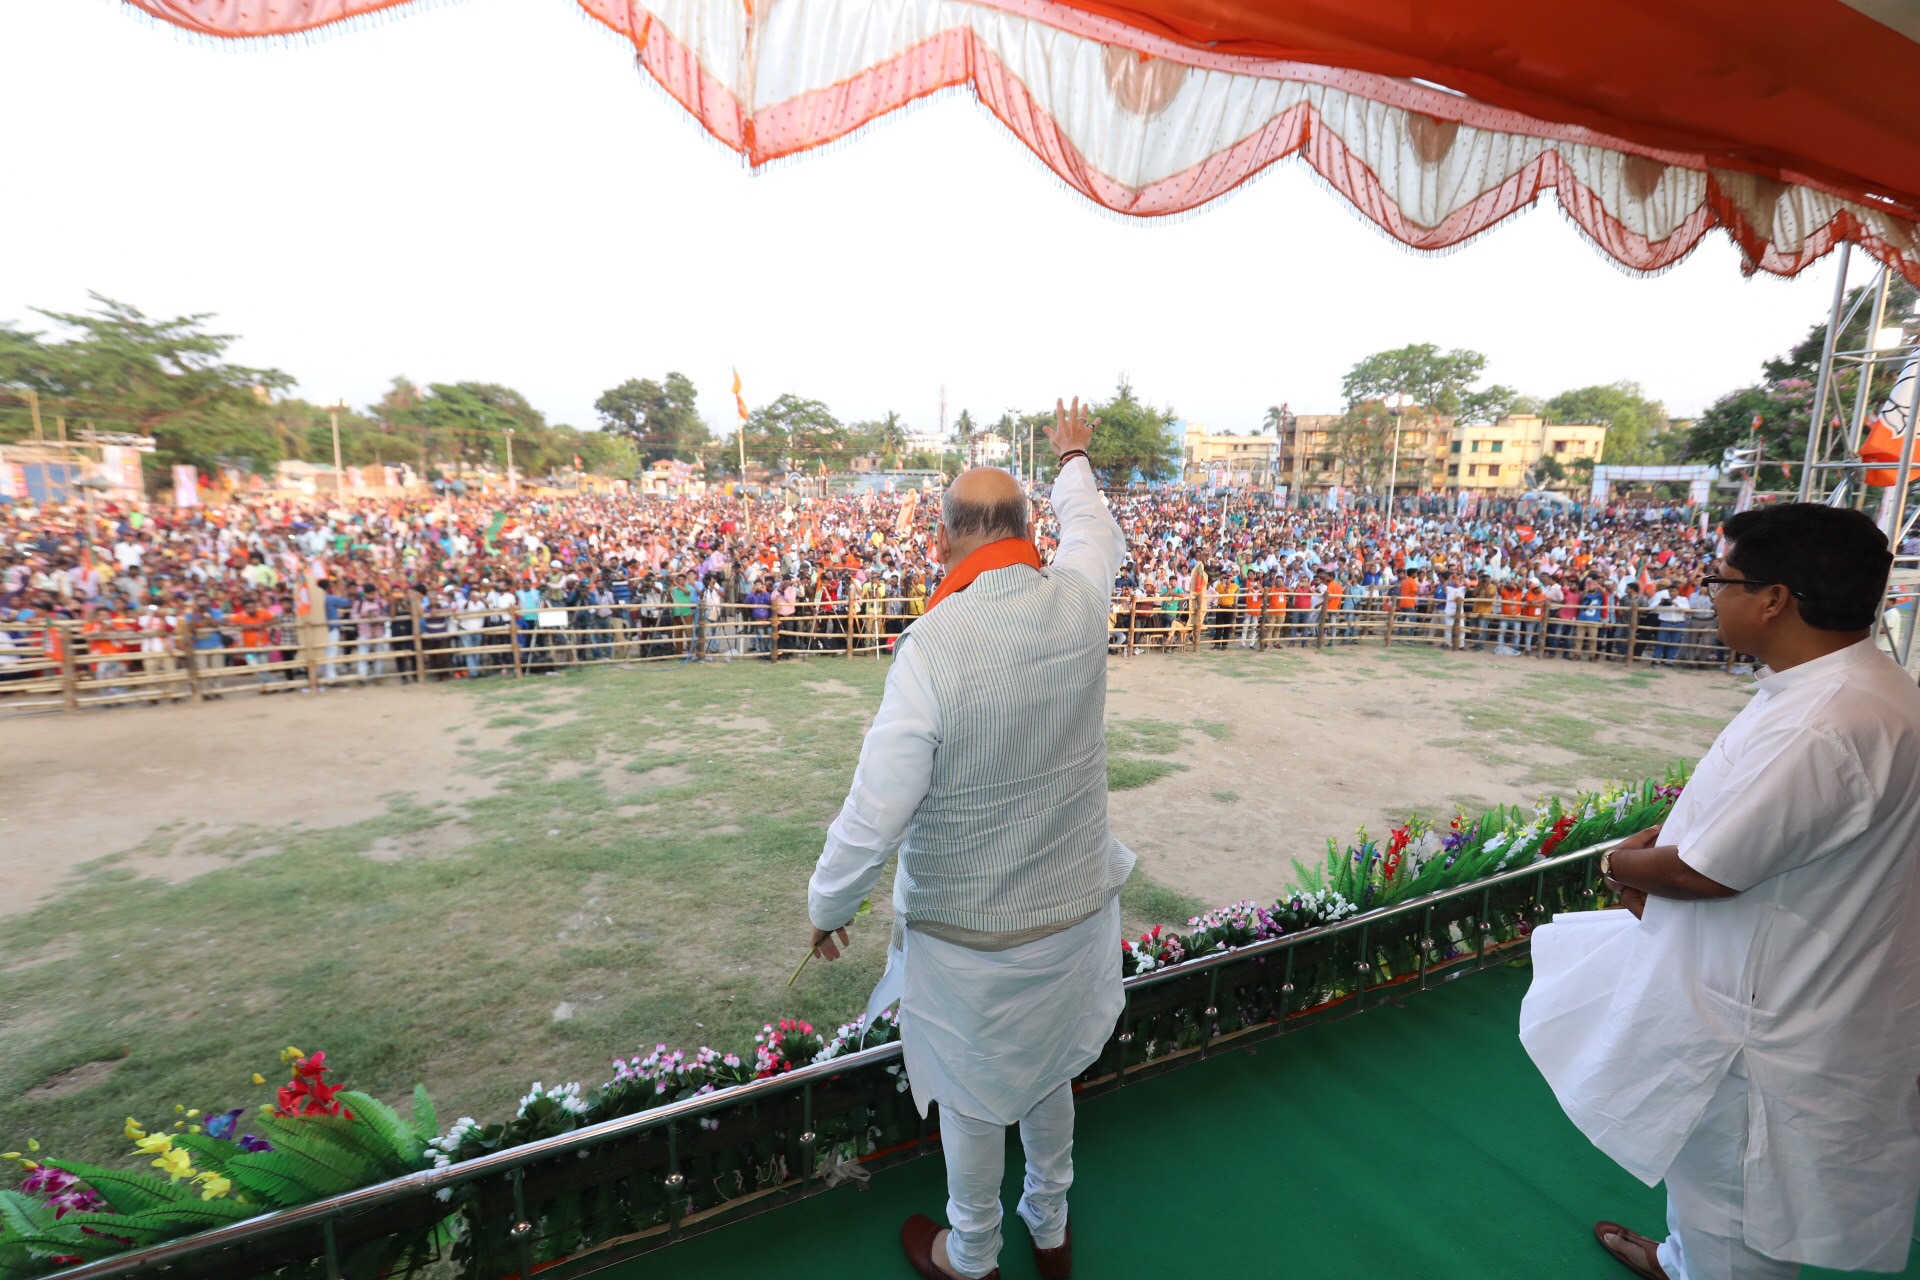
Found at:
(65, 666)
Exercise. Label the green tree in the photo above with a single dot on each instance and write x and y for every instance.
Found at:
(1782, 402)
(796, 432)
(1420, 383)
(1635, 424)
(1359, 443)
(1034, 426)
(125, 371)
(662, 419)
(1490, 404)
(964, 430)
(1774, 417)
(1134, 442)
(892, 434)
(1436, 382)
(469, 421)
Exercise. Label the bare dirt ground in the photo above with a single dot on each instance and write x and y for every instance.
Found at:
(1275, 753)
(1283, 751)
(166, 787)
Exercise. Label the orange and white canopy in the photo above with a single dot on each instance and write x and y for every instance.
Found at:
(1794, 125)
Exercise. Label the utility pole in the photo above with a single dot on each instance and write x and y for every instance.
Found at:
(333, 411)
(1393, 470)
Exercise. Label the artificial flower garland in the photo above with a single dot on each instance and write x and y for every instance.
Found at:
(64, 1212)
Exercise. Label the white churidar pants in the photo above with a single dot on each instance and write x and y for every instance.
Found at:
(1706, 1201)
(976, 1153)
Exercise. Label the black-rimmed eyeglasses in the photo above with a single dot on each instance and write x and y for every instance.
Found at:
(1713, 584)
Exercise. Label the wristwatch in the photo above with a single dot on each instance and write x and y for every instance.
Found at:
(1606, 865)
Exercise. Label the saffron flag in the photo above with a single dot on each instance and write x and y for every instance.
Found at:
(738, 403)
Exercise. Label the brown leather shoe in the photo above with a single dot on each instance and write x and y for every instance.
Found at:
(1630, 1249)
(917, 1236)
(1055, 1264)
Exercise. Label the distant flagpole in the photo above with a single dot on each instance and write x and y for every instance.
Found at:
(740, 433)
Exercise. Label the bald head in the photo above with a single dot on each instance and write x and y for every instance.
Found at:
(981, 506)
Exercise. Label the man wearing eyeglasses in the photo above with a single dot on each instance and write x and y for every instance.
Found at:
(1751, 1034)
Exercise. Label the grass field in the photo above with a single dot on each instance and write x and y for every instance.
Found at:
(642, 851)
(632, 871)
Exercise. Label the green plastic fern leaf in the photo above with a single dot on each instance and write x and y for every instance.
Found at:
(426, 1121)
(380, 1119)
(128, 1192)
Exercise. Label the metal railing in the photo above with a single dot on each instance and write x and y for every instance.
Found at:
(67, 665)
(649, 1165)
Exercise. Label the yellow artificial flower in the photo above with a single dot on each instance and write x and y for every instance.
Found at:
(179, 1124)
(214, 1186)
(193, 1113)
(134, 1131)
(258, 1078)
(178, 1107)
(266, 1108)
(156, 1143)
(33, 1144)
(176, 1164)
(193, 1128)
(289, 1053)
(9, 1155)
(28, 1165)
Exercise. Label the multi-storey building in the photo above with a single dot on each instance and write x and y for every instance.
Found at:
(1308, 461)
(1228, 460)
(1496, 457)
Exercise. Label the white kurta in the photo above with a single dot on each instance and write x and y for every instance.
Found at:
(985, 1033)
(1808, 804)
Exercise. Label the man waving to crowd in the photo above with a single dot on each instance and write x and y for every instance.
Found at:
(986, 769)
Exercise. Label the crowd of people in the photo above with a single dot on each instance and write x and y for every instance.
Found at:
(437, 587)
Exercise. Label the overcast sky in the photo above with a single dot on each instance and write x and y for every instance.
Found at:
(489, 190)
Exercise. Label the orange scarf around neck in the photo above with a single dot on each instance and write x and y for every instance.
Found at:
(995, 555)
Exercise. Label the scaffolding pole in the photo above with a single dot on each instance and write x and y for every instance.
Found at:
(1816, 429)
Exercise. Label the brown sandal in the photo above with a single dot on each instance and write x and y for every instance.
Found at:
(1649, 1249)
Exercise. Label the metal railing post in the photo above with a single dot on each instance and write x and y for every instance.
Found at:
(69, 671)
(191, 667)
(419, 641)
(521, 1232)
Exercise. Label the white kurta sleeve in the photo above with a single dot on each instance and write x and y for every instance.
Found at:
(895, 770)
(1091, 542)
(1795, 794)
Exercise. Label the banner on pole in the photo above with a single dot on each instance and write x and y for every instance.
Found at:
(186, 485)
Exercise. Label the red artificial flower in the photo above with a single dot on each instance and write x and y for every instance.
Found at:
(1555, 836)
(1393, 863)
(308, 1094)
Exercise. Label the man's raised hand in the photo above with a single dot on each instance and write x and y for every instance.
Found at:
(1071, 429)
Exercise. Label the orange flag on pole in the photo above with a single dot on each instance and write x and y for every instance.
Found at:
(738, 403)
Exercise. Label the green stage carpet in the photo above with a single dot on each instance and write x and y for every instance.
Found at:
(1413, 1141)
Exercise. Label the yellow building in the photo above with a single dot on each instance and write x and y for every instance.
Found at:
(1494, 457)
(1307, 465)
(1227, 460)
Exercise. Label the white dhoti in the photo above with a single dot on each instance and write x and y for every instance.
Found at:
(996, 1037)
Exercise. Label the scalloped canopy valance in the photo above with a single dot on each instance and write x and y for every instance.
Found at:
(1793, 125)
